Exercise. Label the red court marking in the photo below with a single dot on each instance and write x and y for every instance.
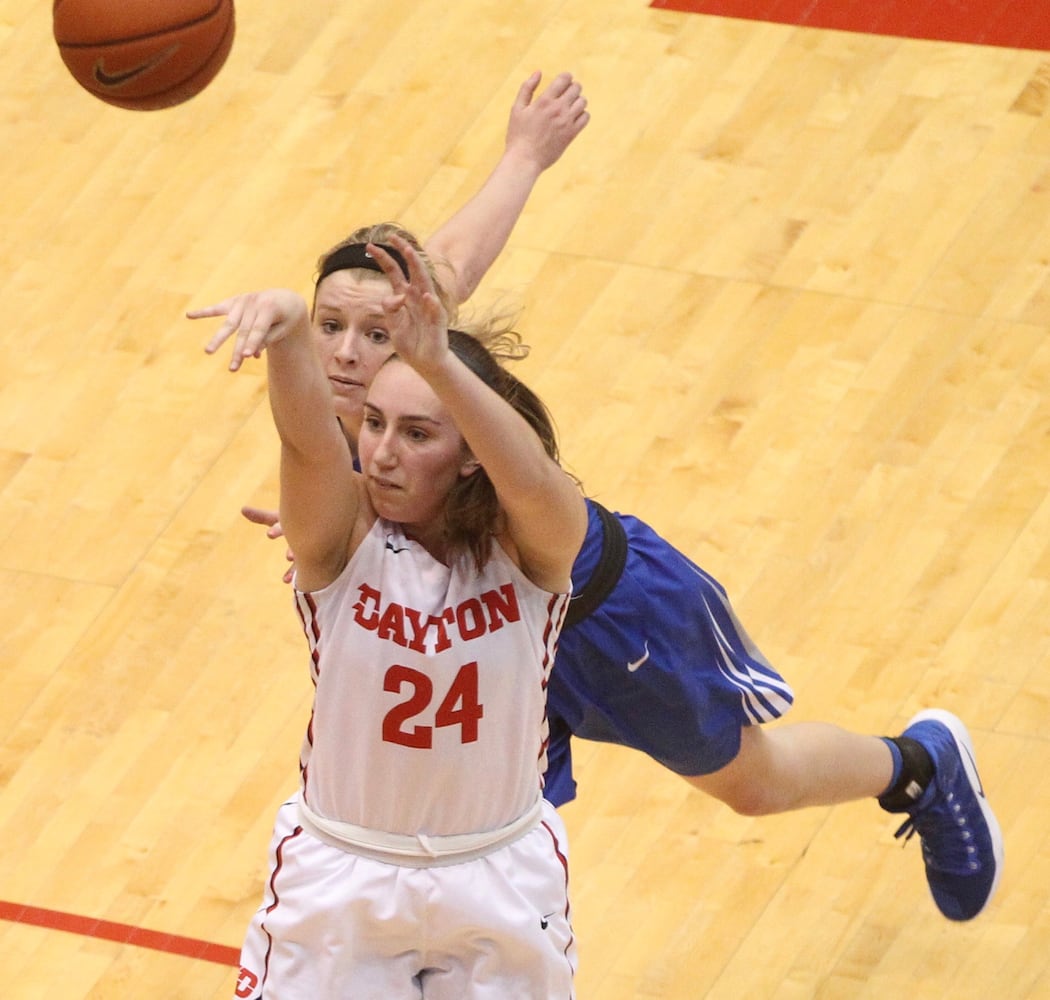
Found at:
(173, 944)
(1015, 24)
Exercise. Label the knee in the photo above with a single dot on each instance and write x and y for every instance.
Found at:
(753, 802)
(747, 798)
(747, 784)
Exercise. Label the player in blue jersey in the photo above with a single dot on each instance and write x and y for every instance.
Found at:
(652, 656)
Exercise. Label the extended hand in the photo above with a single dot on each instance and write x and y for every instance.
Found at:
(258, 515)
(255, 320)
(418, 325)
(542, 129)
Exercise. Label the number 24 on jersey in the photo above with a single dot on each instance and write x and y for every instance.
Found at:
(458, 708)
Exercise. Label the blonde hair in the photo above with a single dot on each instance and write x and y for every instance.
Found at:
(380, 233)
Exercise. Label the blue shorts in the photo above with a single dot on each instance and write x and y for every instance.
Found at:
(662, 665)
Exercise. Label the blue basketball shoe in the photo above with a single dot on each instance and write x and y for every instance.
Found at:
(962, 844)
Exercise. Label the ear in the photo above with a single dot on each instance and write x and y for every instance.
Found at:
(469, 466)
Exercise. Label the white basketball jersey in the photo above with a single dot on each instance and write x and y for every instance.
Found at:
(430, 704)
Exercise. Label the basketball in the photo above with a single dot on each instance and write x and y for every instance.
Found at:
(143, 54)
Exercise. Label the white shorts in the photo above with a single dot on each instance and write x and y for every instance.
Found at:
(335, 925)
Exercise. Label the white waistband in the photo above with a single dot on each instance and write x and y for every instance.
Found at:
(418, 851)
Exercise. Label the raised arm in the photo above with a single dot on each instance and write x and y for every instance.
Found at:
(320, 495)
(538, 132)
(544, 509)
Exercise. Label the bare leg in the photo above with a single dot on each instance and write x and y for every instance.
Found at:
(797, 765)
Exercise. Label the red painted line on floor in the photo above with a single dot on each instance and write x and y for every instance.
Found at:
(107, 930)
(1020, 24)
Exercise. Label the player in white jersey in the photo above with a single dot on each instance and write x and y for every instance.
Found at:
(421, 859)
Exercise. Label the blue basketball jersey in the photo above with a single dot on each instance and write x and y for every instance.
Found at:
(662, 665)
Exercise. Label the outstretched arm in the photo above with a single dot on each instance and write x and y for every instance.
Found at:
(538, 132)
(319, 497)
(545, 513)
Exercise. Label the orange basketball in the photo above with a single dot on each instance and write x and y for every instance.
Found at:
(143, 54)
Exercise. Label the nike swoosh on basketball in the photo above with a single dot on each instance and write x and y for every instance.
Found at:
(635, 664)
(127, 75)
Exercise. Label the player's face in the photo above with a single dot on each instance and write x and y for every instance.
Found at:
(411, 452)
(351, 332)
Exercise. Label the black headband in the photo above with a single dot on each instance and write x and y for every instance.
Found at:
(356, 255)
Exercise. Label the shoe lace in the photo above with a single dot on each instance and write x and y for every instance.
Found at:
(944, 831)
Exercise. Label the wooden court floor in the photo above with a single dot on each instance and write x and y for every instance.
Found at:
(788, 297)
